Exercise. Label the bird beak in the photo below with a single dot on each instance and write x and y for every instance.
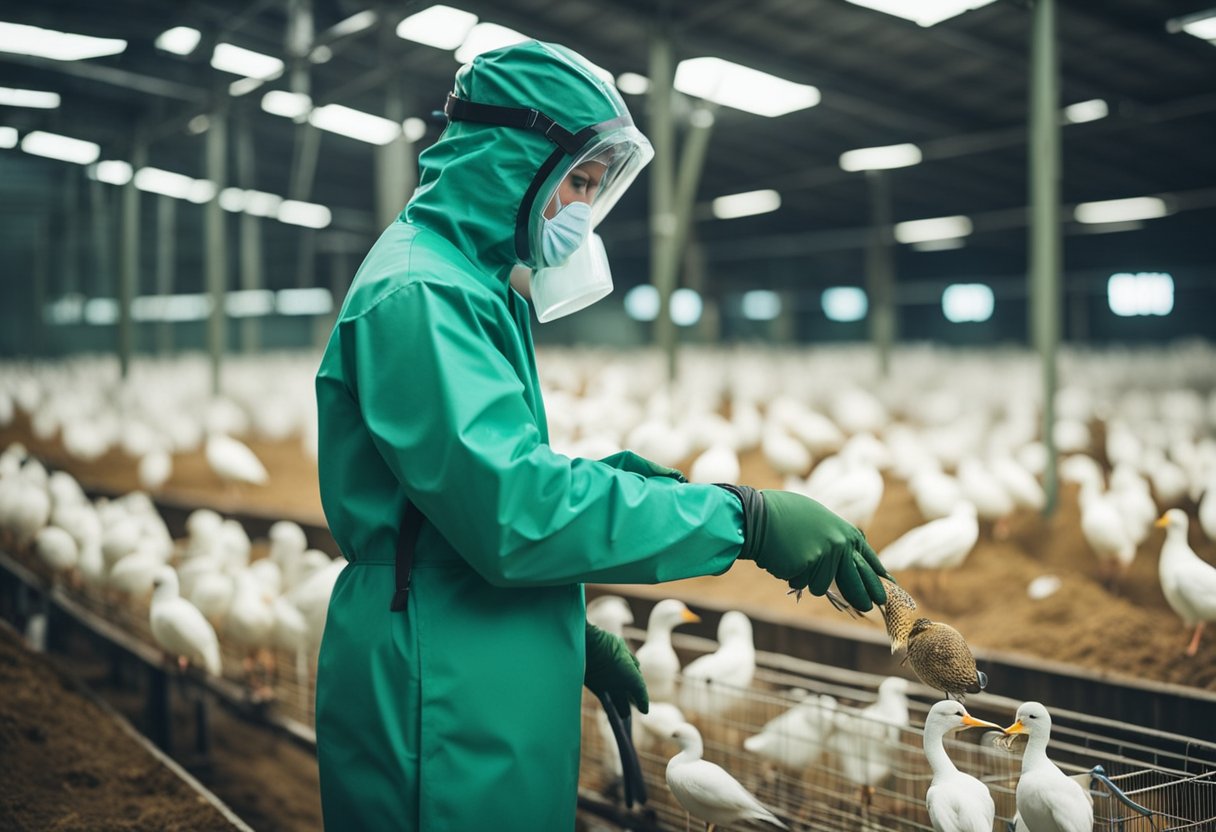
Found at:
(1015, 728)
(691, 617)
(971, 722)
(1162, 522)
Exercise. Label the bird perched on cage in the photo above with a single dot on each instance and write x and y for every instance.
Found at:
(657, 659)
(1048, 800)
(937, 652)
(713, 682)
(707, 791)
(179, 627)
(865, 742)
(796, 738)
(1187, 581)
(957, 802)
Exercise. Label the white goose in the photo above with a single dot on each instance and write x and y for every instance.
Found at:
(866, 741)
(179, 627)
(957, 802)
(657, 659)
(707, 791)
(1048, 800)
(796, 738)
(712, 683)
(1187, 581)
(233, 461)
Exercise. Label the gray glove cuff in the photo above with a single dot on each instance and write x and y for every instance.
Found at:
(753, 517)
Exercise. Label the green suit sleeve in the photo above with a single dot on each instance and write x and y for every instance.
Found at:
(448, 413)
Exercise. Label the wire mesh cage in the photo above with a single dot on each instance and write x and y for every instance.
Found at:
(853, 768)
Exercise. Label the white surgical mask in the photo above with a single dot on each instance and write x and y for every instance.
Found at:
(582, 280)
(565, 232)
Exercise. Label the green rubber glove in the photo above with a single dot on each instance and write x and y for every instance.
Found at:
(807, 545)
(612, 668)
(631, 462)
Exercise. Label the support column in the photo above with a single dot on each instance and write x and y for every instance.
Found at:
(251, 235)
(166, 263)
(396, 167)
(1045, 238)
(880, 270)
(662, 192)
(215, 252)
(128, 272)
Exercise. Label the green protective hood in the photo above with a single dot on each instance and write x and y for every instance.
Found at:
(485, 170)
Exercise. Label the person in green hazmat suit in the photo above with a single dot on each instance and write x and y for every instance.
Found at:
(455, 649)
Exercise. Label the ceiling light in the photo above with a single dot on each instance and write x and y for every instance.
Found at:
(164, 182)
(761, 305)
(948, 244)
(631, 83)
(304, 301)
(244, 86)
(1143, 293)
(1200, 24)
(196, 307)
(262, 204)
(685, 307)
(233, 200)
(57, 46)
(112, 172)
(356, 124)
(922, 12)
(487, 36)
(249, 303)
(321, 55)
(63, 148)
(741, 87)
(1084, 111)
(198, 125)
(844, 304)
(307, 214)
(101, 311)
(250, 64)
(414, 127)
(10, 97)
(180, 40)
(353, 25)
(287, 104)
(8, 137)
(440, 26)
(746, 204)
(642, 302)
(1120, 210)
(881, 158)
(938, 228)
(967, 303)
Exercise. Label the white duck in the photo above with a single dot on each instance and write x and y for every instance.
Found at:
(957, 802)
(866, 741)
(1187, 581)
(715, 681)
(850, 487)
(1104, 529)
(982, 488)
(719, 463)
(155, 468)
(233, 461)
(1019, 483)
(179, 627)
(939, 544)
(1048, 800)
(57, 548)
(656, 726)
(1207, 511)
(796, 738)
(936, 493)
(784, 453)
(657, 659)
(707, 791)
(611, 614)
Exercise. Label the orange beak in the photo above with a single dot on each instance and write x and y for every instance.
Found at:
(691, 617)
(971, 722)
(1015, 728)
(1162, 522)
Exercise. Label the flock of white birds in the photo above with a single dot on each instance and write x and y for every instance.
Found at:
(864, 744)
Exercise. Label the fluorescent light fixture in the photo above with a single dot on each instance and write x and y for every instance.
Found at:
(967, 303)
(881, 158)
(57, 46)
(1111, 227)
(63, 148)
(68, 309)
(631, 83)
(356, 124)
(196, 307)
(233, 200)
(1201, 25)
(414, 128)
(685, 308)
(245, 62)
(353, 25)
(1083, 111)
(922, 12)
(36, 99)
(321, 55)
(249, 303)
(101, 311)
(201, 190)
(304, 301)
(262, 204)
(1142, 293)
(307, 214)
(180, 40)
(938, 228)
(844, 304)
(487, 36)
(939, 245)
(1120, 210)
(761, 305)
(642, 302)
(244, 86)
(741, 87)
(112, 172)
(746, 204)
(287, 104)
(198, 125)
(167, 183)
(442, 27)
(8, 137)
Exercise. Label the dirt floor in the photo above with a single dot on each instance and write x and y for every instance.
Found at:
(65, 764)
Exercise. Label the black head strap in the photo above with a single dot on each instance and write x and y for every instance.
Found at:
(523, 118)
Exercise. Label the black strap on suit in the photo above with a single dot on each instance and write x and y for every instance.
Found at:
(407, 540)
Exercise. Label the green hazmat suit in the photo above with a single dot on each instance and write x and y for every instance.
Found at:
(462, 711)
